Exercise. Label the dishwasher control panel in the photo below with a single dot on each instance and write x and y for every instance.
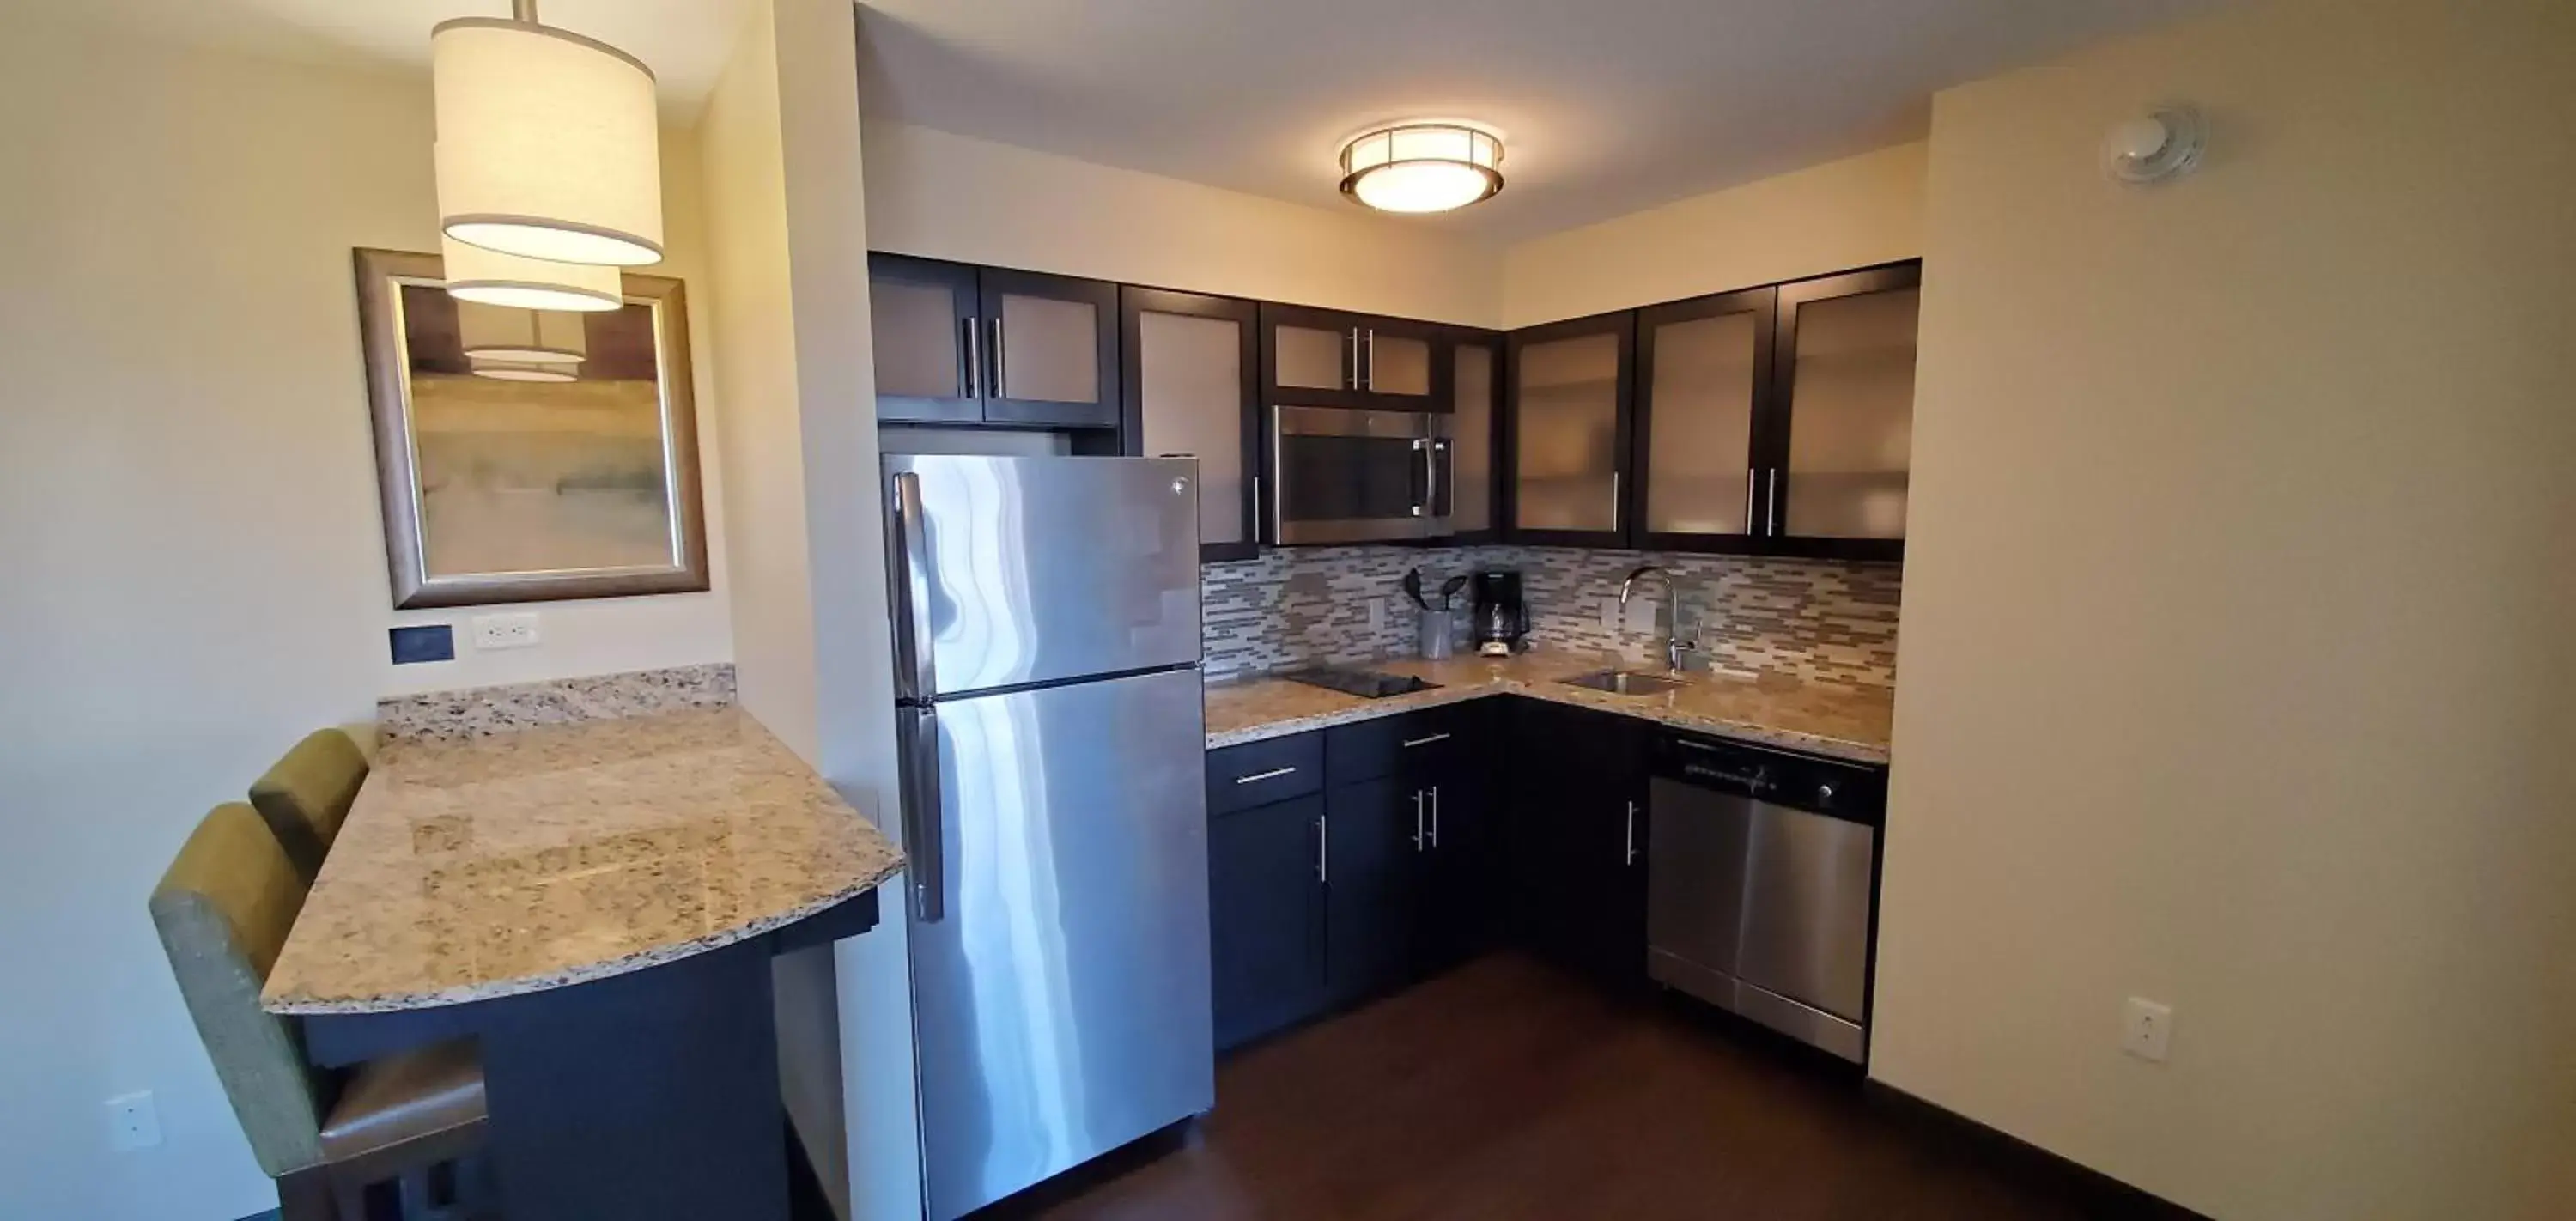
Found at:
(1854, 792)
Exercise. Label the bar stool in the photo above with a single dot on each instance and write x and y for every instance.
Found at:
(223, 911)
(306, 795)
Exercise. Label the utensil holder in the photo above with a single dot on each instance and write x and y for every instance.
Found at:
(1432, 637)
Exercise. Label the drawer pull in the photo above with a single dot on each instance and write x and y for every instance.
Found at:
(1413, 742)
(1272, 774)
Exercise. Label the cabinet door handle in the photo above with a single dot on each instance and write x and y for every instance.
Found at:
(1372, 360)
(1255, 532)
(996, 390)
(1417, 820)
(1413, 742)
(974, 354)
(1752, 482)
(1632, 834)
(1352, 380)
(1272, 774)
(1615, 506)
(1779, 507)
(1323, 848)
(1435, 816)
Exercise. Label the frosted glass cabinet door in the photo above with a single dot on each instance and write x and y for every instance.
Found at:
(1395, 363)
(922, 316)
(1478, 360)
(1051, 350)
(1848, 397)
(1568, 402)
(1703, 368)
(1193, 392)
(1311, 358)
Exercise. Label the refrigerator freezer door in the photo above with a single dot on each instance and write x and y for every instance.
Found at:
(1061, 1001)
(1034, 570)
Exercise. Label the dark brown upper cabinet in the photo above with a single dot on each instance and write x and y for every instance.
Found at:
(1770, 421)
(958, 344)
(1476, 400)
(1566, 432)
(1192, 387)
(1842, 382)
(1325, 358)
(1703, 388)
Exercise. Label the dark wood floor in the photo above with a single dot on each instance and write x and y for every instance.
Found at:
(1505, 1090)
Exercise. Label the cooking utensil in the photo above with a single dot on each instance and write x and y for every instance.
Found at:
(1449, 589)
(1413, 588)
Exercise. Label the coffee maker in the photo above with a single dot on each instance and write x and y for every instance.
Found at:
(1500, 616)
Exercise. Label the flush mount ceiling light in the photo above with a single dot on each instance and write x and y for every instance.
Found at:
(1426, 166)
(521, 336)
(547, 142)
(490, 277)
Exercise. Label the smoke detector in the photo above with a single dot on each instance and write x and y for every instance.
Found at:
(2163, 143)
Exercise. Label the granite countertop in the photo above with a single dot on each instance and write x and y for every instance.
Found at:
(490, 866)
(1841, 722)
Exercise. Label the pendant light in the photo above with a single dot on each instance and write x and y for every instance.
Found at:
(522, 336)
(521, 370)
(1427, 166)
(548, 146)
(493, 278)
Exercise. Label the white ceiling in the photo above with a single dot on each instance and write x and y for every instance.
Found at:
(684, 41)
(1610, 105)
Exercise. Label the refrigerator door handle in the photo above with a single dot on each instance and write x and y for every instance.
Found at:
(916, 663)
(927, 866)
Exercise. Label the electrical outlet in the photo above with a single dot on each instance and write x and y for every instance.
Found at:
(133, 1122)
(1377, 614)
(1610, 613)
(1641, 614)
(2146, 1029)
(517, 630)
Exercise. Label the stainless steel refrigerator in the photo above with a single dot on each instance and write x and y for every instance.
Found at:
(1054, 803)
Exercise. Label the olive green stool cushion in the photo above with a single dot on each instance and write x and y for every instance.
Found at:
(307, 795)
(223, 911)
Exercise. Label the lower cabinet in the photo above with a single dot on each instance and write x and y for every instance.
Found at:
(1384, 852)
(1266, 917)
(1575, 852)
(1385, 877)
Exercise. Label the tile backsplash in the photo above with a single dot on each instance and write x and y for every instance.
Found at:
(1823, 621)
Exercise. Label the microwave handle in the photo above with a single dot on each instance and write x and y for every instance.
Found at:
(1439, 467)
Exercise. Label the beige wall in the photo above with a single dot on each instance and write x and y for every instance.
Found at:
(195, 574)
(1832, 217)
(2235, 650)
(790, 236)
(949, 197)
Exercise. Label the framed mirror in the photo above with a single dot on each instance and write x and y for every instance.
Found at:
(530, 455)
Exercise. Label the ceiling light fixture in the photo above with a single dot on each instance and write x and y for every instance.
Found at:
(548, 146)
(490, 277)
(1423, 166)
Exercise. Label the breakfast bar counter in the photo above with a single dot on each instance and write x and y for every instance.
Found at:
(595, 905)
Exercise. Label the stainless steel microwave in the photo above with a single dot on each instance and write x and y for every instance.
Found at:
(1343, 475)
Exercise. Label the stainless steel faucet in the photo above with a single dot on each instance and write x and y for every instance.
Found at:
(1674, 645)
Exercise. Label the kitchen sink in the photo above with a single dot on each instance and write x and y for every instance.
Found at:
(1622, 682)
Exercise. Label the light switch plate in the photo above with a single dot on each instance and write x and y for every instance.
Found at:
(2146, 1029)
(133, 1122)
(515, 630)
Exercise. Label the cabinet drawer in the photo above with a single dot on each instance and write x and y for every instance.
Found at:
(1431, 738)
(1258, 773)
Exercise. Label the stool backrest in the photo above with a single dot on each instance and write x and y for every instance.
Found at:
(223, 910)
(307, 795)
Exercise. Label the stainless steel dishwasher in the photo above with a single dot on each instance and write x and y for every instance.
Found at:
(1761, 883)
